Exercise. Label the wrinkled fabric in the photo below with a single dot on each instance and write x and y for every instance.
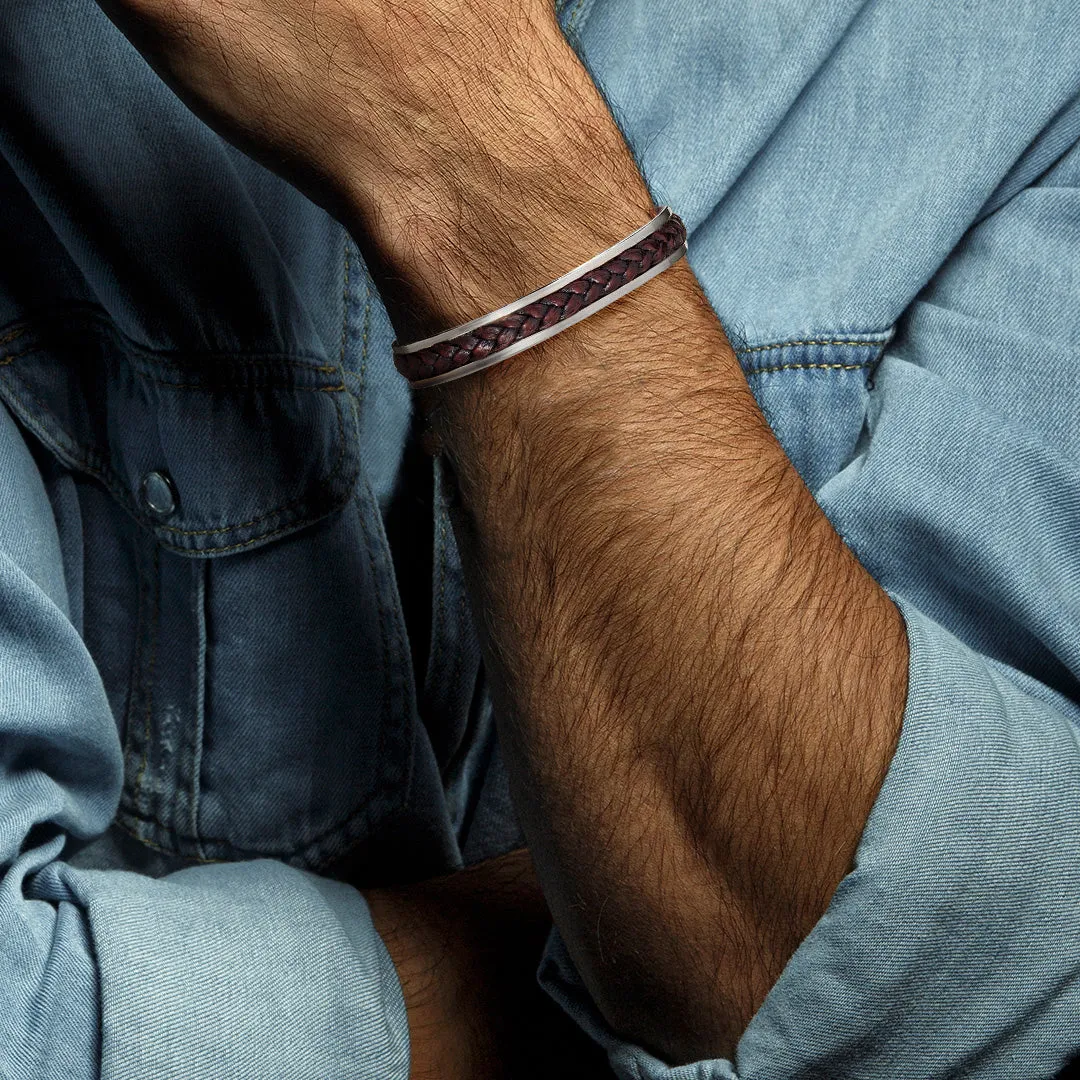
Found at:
(213, 731)
(884, 204)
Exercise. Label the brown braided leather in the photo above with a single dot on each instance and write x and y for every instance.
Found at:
(495, 336)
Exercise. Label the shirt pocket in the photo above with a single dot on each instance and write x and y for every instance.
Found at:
(235, 589)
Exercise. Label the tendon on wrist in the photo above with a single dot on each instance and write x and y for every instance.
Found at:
(576, 295)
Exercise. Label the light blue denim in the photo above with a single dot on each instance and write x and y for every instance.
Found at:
(210, 727)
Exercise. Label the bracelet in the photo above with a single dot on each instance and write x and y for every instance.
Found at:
(518, 326)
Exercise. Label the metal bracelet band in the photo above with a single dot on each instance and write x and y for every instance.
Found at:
(518, 326)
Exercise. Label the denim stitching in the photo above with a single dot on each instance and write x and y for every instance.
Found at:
(135, 835)
(139, 357)
(386, 716)
(344, 308)
(199, 734)
(155, 630)
(301, 854)
(135, 674)
(346, 828)
(216, 387)
(262, 538)
(217, 381)
(362, 373)
(809, 367)
(332, 475)
(872, 344)
(294, 358)
(574, 17)
(291, 526)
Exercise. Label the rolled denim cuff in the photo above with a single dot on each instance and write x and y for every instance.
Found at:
(246, 970)
(953, 945)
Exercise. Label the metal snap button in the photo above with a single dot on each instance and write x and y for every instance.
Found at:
(158, 493)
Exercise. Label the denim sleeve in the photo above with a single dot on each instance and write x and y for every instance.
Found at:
(952, 948)
(221, 971)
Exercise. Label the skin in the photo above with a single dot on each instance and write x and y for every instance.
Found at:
(699, 688)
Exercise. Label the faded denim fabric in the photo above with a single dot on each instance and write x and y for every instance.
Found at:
(884, 209)
(213, 725)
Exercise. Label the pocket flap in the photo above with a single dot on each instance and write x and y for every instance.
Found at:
(211, 453)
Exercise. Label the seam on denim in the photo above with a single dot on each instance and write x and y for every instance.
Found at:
(222, 378)
(364, 337)
(865, 344)
(808, 367)
(267, 359)
(85, 314)
(155, 629)
(183, 839)
(215, 383)
(117, 487)
(344, 306)
(270, 361)
(199, 734)
(439, 585)
(344, 831)
(135, 674)
(332, 475)
(217, 387)
(386, 712)
(304, 853)
(135, 835)
(262, 538)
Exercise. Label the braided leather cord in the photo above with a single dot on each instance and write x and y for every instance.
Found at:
(487, 340)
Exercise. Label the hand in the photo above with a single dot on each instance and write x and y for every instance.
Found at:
(466, 948)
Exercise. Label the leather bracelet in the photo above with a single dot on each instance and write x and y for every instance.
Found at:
(518, 326)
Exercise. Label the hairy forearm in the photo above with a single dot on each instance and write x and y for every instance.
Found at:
(699, 687)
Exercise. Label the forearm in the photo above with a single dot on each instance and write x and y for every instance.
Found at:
(699, 687)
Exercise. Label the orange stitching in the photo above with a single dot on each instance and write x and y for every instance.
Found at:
(808, 367)
(811, 341)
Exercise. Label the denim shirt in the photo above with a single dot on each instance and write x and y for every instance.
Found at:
(219, 712)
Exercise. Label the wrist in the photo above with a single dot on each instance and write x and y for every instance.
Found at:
(521, 184)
